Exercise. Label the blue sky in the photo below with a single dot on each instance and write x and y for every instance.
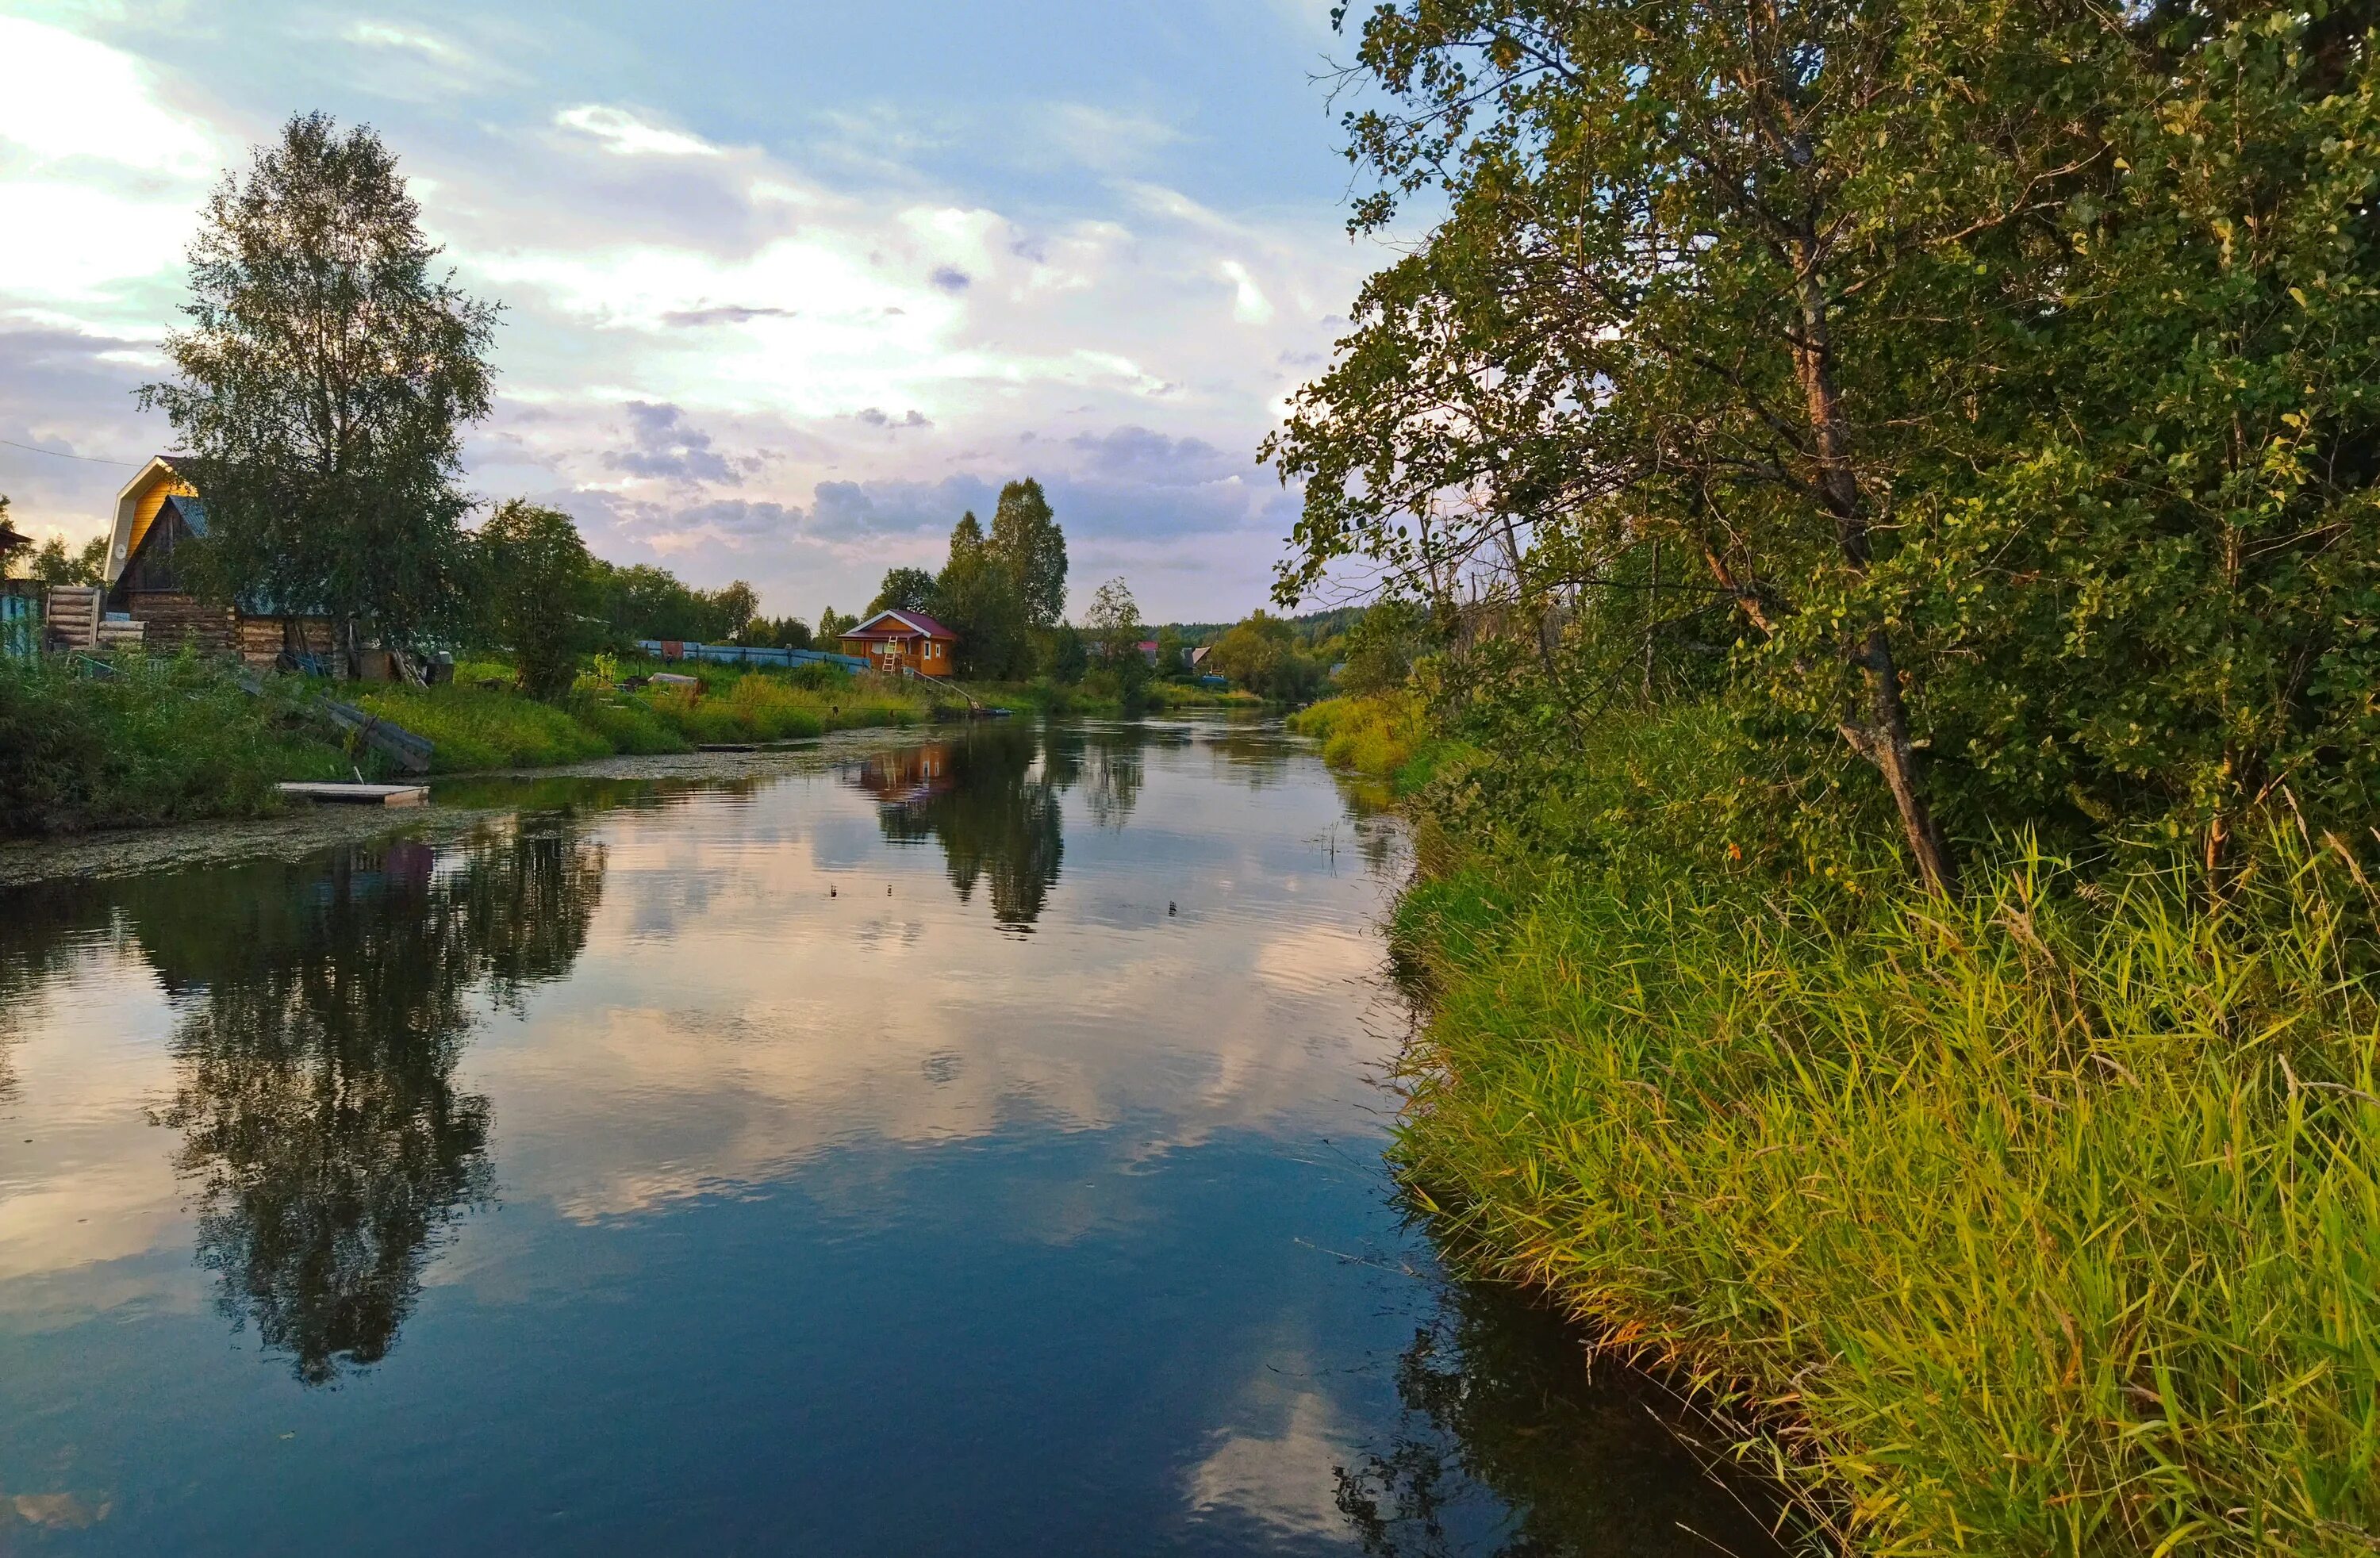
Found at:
(787, 286)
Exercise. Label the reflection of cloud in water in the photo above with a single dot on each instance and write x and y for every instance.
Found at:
(1287, 1479)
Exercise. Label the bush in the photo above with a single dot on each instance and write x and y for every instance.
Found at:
(167, 739)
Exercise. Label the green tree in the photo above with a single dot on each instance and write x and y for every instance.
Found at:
(1112, 623)
(2004, 365)
(976, 597)
(11, 542)
(1172, 654)
(1261, 653)
(538, 589)
(323, 381)
(832, 625)
(734, 607)
(1028, 543)
(1069, 658)
(53, 564)
(1380, 648)
(904, 589)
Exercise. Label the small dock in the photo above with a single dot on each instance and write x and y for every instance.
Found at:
(360, 795)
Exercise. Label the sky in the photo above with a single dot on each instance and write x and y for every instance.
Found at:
(788, 285)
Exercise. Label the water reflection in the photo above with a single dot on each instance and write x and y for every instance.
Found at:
(985, 802)
(1511, 1442)
(322, 1010)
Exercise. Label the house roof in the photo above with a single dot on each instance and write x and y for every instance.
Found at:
(127, 504)
(192, 510)
(909, 625)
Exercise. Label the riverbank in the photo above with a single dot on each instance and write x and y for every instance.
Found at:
(2041, 1222)
(152, 741)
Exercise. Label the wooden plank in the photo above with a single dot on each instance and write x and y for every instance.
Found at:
(412, 752)
(360, 795)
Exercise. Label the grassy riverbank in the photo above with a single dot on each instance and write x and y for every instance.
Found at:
(2041, 1222)
(166, 739)
(475, 726)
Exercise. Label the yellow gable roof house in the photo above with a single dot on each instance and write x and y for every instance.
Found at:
(157, 513)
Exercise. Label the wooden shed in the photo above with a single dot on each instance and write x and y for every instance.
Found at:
(894, 640)
(157, 513)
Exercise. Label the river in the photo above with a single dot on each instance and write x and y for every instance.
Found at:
(962, 1144)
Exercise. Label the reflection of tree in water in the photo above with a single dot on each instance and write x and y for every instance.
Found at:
(1258, 757)
(1501, 1413)
(1104, 765)
(326, 1012)
(993, 812)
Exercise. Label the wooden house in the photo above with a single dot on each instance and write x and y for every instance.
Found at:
(895, 641)
(158, 512)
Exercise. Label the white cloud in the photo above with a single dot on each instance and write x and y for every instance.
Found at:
(69, 97)
(1250, 305)
(625, 134)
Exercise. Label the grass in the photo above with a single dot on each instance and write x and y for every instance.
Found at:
(1379, 737)
(475, 726)
(167, 739)
(2044, 1223)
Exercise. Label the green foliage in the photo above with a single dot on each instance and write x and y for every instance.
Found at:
(12, 542)
(2005, 367)
(783, 632)
(476, 727)
(976, 597)
(1111, 623)
(1069, 657)
(1261, 654)
(1381, 646)
(1378, 736)
(1027, 541)
(322, 384)
(165, 740)
(53, 564)
(902, 589)
(831, 623)
(737, 604)
(538, 589)
(643, 601)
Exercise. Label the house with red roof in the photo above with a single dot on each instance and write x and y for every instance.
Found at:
(896, 640)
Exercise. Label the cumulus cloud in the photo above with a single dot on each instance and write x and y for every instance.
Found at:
(1138, 454)
(669, 448)
(794, 353)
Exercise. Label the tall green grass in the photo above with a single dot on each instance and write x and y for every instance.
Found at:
(167, 739)
(1380, 736)
(475, 726)
(2047, 1223)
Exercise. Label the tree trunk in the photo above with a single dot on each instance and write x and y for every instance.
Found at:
(1885, 739)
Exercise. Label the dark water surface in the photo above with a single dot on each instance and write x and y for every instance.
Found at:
(971, 1149)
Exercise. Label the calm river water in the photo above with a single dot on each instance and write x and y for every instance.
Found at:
(970, 1147)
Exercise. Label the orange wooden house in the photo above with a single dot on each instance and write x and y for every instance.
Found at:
(894, 640)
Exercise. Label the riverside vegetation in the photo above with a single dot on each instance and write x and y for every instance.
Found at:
(1882, 658)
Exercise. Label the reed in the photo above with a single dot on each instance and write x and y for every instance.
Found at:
(2045, 1221)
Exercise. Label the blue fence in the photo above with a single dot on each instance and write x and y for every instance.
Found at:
(20, 625)
(741, 654)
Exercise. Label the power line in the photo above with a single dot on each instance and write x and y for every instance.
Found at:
(61, 455)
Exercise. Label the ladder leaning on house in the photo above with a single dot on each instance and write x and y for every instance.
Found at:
(74, 615)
